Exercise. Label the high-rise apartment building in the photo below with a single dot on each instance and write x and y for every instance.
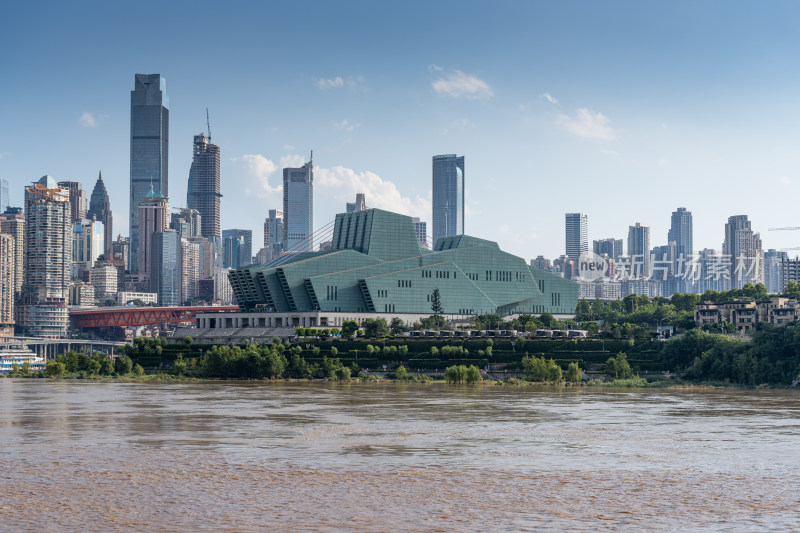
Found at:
(100, 210)
(87, 246)
(7, 289)
(120, 250)
(680, 232)
(577, 234)
(273, 235)
(238, 245)
(743, 247)
(48, 253)
(204, 185)
(421, 229)
(12, 222)
(773, 273)
(149, 149)
(612, 248)
(448, 196)
(4, 200)
(153, 218)
(298, 208)
(187, 222)
(190, 269)
(359, 205)
(165, 267)
(105, 278)
(77, 199)
(639, 250)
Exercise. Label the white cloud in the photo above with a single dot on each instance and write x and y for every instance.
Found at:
(259, 169)
(434, 68)
(550, 98)
(345, 125)
(292, 161)
(352, 82)
(786, 180)
(288, 147)
(524, 107)
(91, 120)
(588, 125)
(457, 84)
(464, 123)
(344, 183)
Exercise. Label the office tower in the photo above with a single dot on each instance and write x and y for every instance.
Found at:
(639, 250)
(87, 246)
(48, 253)
(12, 222)
(680, 232)
(448, 196)
(190, 269)
(421, 229)
(153, 218)
(608, 247)
(773, 278)
(359, 205)
(577, 234)
(7, 286)
(298, 208)
(77, 199)
(745, 252)
(149, 149)
(100, 210)
(273, 234)
(238, 247)
(4, 201)
(204, 184)
(187, 222)
(165, 267)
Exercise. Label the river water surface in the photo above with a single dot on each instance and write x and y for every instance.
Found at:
(106, 456)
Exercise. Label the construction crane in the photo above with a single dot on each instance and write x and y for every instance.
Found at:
(208, 123)
(790, 228)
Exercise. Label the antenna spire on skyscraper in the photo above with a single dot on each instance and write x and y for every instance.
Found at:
(208, 123)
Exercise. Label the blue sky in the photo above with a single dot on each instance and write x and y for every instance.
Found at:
(621, 110)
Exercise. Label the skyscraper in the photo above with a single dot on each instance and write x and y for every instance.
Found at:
(273, 234)
(100, 210)
(743, 248)
(680, 232)
(639, 250)
(4, 201)
(204, 185)
(773, 278)
(577, 234)
(421, 229)
(165, 267)
(298, 208)
(13, 223)
(448, 196)
(77, 199)
(153, 218)
(359, 205)
(609, 247)
(48, 253)
(149, 148)
(7, 272)
(240, 253)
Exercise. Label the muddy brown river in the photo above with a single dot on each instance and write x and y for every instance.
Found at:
(105, 456)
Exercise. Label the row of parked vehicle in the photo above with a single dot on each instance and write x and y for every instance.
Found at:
(498, 333)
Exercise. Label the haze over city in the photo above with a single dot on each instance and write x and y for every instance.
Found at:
(622, 114)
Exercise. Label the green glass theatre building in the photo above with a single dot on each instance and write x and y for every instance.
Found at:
(376, 265)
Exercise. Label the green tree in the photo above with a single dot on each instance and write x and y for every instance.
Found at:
(54, 369)
(455, 374)
(583, 310)
(138, 370)
(792, 290)
(397, 326)
(187, 340)
(534, 368)
(343, 373)
(547, 320)
(349, 328)
(618, 367)
(123, 365)
(436, 303)
(554, 374)
(106, 366)
(473, 374)
(375, 327)
(401, 373)
(573, 374)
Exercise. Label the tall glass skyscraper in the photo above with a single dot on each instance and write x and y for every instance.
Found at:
(149, 148)
(238, 247)
(298, 208)
(448, 196)
(100, 210)
(3, 196)
(204, 182)
(680, 232)
(577, 234)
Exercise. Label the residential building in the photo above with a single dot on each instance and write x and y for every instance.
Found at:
(186, 221)
(790, 271)
(100, 210)
(577, 235)
(223, 293)
(540, 263)
(190, 269)
(298, 208)
(359, 205)
(421, 229)
(376, 266)
(87, 246)
(273, 235)
(746, 256)
(126, 297)
(681, 233)
(448, 196)
(120, 250)
(7, 285)
(104, 281)
(639, 250)
(773, 272)
(610, 248)
(48, 252)
(153, 218)
(81, 293)
(165, 267)
(204, 185)
(12, 222)
(745, 315)
(77, 199)
(149, 149)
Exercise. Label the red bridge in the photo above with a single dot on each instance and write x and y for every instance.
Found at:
(140, 316)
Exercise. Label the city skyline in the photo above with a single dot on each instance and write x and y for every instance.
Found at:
(531, 113)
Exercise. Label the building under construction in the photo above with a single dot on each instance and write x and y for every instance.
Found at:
(204, 185)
